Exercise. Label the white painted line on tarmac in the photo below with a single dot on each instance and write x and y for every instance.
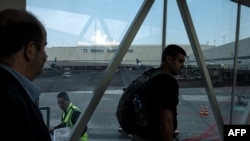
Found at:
(204, 98)
(183, 97)
(113, 92)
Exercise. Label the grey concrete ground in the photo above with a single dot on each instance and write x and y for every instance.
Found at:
(103, 125)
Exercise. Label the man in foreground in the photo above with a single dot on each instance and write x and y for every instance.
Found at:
(22, 57)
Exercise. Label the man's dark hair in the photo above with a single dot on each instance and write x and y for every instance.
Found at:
(173, 51)
(63, 95)
(17, 29)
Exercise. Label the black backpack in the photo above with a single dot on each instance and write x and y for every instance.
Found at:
(131, 109)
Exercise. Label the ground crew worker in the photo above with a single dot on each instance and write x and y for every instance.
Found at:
(70, 114)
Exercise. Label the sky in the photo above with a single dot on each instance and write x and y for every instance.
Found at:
(105, 22)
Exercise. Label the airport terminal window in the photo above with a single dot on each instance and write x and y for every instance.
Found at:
(85, 50)
(94, 27)
(111, 50)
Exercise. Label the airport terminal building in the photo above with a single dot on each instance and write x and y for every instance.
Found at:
(94, 55)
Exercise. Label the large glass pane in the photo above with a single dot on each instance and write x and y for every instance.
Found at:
(243, 70)
(84, 35)
(215, 25)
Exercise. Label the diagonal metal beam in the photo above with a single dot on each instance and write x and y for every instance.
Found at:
(110, 71)
(188, 23)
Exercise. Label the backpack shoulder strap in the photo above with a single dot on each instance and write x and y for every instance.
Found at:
(157, 71)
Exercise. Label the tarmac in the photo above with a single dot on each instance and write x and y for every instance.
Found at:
(103, 125)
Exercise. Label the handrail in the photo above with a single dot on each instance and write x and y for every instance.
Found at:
(47, 109)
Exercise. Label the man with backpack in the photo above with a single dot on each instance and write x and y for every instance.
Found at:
(162, 98)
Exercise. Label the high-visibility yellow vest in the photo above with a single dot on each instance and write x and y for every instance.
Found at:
(66, 119)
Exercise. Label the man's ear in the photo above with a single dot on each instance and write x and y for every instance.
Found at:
(29, 51)
(168, 58)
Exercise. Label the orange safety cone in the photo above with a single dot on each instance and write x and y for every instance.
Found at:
(206, 111)
(202, 110)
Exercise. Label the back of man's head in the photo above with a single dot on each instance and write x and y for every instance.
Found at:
(17, 28)
(173, 51)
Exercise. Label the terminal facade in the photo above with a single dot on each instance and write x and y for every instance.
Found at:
(149, 55)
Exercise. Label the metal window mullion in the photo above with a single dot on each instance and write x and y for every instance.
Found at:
(235, 63)
(201, 63)
(164, 24)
